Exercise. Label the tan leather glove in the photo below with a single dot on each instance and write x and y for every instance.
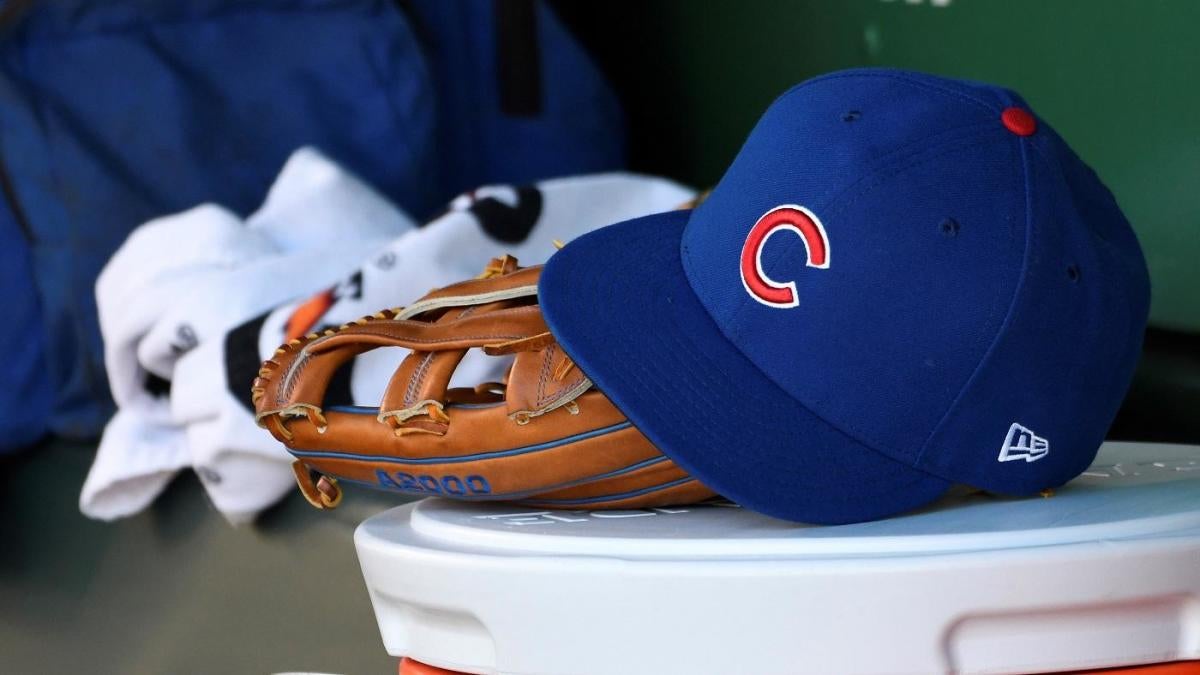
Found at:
(545, 437)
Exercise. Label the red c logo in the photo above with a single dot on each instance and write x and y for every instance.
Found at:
(786, 217)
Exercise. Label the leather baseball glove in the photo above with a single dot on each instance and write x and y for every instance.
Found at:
(545, 437)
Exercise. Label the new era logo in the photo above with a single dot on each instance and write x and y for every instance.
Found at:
(1022, 443)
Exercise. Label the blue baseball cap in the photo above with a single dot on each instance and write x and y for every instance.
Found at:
(902, 282)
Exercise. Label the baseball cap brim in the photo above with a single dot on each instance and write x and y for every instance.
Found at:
(621, 306)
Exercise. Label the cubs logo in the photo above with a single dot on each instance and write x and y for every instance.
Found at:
(793, 218)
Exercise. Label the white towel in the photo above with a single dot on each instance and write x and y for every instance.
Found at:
(182, 281)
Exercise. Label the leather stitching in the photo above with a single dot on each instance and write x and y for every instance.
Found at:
(410, 393)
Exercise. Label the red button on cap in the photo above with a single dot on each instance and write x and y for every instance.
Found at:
(1018, 121)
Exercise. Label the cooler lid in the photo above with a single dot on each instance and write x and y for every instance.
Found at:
(958, 585)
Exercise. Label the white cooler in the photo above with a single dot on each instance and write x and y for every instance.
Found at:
(1105, 573)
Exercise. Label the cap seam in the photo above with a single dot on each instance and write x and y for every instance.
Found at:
(898, 76)
(1008, 316)
(947, 135)
(1110, 245)
(849, 432)
(1133, 334)
(1060, 170)
(858, 190)
(1099, 237)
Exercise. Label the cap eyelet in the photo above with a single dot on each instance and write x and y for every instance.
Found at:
(1073, 273)
(949, 227)
(851, 115)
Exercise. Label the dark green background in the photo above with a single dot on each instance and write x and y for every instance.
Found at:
(177, 590)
